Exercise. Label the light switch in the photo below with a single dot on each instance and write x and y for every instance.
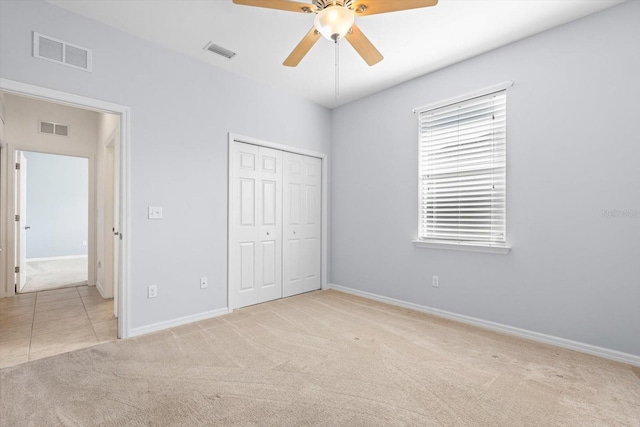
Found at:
(155, 212)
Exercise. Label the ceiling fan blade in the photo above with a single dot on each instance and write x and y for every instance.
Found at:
(363, 46)
(302, 48)
(372, 7)
(291, 6)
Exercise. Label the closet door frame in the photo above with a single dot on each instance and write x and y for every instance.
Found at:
(233, 140)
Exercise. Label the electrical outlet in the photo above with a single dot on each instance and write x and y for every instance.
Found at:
(435, 281)
(203, 283)
(152, 291)
(84, 243)
(155, 212)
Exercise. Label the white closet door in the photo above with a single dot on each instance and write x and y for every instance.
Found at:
(255, 258)
(302, 200)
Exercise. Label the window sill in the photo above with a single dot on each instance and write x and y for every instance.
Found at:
(458, 246)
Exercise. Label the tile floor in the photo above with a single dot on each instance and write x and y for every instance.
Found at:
(46, 323)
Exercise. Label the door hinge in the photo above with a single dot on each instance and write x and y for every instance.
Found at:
(18, 166)
(17, 269)
(17, 217)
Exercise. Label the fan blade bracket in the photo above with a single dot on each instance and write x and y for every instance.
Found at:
(360, 9)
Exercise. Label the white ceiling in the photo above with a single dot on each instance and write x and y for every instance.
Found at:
(413, 42)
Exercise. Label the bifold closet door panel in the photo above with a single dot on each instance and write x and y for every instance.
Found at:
(255, 258)
(302, 207)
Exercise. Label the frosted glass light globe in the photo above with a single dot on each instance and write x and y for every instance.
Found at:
(334, 22)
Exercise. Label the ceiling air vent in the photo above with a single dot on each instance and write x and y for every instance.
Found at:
(54, 129)
(50, 49)
(212, 47)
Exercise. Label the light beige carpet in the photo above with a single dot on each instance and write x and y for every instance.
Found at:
(321, 359)
(55, 274)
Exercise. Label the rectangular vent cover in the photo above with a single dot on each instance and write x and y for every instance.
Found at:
(51, 49)
(54, 129)
(212, 47)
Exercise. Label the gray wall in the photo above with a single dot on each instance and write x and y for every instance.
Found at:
(181, 110)
(573, 152)
(57, 205)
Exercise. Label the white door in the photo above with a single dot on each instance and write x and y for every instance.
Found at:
(21, 232)
(111, 226)
(302, 207)
(115, 160)
(255, 254)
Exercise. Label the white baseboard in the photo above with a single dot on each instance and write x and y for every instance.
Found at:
(100, 288)
(134, 332)
(103, 292)
(56, 258)
(606, 353)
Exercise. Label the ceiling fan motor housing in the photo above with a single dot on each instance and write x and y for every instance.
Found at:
(323, 4)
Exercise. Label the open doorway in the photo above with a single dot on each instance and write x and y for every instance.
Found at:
(60, 212)
(52, 198)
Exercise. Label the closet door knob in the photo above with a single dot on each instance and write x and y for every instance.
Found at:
(267, 233)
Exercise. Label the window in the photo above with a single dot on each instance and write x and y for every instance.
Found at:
(462, 167)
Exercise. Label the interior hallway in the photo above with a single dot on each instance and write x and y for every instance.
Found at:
(46, 323)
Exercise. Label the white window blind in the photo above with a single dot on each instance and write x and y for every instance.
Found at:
(462, 171)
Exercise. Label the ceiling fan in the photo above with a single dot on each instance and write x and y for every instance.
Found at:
(335, 19)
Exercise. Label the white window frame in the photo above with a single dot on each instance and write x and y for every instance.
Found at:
(487, 247)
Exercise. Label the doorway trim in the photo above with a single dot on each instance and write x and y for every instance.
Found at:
(12, 152)
(73, 100)
(236, 138)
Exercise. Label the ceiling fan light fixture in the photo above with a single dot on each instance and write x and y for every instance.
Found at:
(334, 22)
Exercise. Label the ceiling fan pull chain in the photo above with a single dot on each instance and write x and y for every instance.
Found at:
(337, 61)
